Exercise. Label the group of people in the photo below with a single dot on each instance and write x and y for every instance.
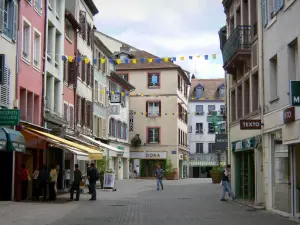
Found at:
(44, 179)
(41, 180)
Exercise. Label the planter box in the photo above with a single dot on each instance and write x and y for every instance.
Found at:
(216, 177)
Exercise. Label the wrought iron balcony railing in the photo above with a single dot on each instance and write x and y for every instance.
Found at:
(212, 157)
(240, 39)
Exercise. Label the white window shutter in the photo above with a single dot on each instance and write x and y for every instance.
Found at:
(1, 15)
(5, 88)
(15, 21)
(264, 10)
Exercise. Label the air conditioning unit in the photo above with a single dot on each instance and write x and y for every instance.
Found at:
(180, 156)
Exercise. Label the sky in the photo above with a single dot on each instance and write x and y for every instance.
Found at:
(168, 28)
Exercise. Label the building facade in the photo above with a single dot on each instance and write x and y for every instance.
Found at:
(281, 140)
(240, 48)
(206, 96)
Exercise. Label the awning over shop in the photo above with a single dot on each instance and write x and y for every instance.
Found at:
(80, 155)
(3, 140)
(15, 141)
(57, 140)
(95, 156)
(205, 163)
(102, 144)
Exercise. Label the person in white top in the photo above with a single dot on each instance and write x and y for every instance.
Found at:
(53, 180)
(137, 171)
(68, 177)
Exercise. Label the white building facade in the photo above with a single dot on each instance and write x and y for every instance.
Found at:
(206, 96)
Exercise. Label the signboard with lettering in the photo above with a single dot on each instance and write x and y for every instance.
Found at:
(289, 115)
(9, 117)
(221, 142)
(245, 144)
(250, 124)
(295, 92)
(148, 155)
(115, 98)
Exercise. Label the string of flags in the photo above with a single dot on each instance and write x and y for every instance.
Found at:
(135, 60)
(166, 114)
(149, 95)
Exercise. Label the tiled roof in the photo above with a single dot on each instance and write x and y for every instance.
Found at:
(146, 65)
(210, 86)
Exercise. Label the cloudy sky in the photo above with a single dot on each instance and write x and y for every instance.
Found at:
(168, 28)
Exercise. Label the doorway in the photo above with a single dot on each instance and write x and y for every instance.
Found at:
(6, 162)
(196, 172)
(148, 167)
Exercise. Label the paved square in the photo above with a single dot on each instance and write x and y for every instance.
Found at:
(136, 202)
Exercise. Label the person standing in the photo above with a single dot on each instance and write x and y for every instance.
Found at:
(226, 187)
(94, 176)
(76, 183)
(53, 181)
(88, 174)
(137, 171)
(43, 178)
(159, 176)
(25, 178)
(68, 177)
(36, 190)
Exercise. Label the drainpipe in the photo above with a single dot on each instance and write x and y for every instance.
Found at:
(44, 64)
(17, 59)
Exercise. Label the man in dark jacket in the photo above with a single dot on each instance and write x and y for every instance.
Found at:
(93, 179)
(88, 175)
(76, 183)
(43, 180)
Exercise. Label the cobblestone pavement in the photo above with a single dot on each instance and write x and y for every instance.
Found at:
(136, 202)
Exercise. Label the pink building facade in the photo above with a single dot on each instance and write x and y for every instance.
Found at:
(70, 67)
(31, 65)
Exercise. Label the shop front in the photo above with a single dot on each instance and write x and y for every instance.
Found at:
(12, 148)
(245, 167)
(148, 162)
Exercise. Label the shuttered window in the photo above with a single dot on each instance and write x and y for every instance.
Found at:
(66, 107)
(71, 118)
(5, 88)
(82, 20)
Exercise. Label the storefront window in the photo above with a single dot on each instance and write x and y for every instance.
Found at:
(281, 177)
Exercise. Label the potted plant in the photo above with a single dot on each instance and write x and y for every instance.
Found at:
(136, 141)
(169, 171)
(216, 174)
(103, 166)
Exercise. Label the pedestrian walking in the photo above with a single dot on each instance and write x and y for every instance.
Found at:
(159, 176)
(76, 183)
(88, 175)
(94, 176)
(226, 186)
(68, 177)
(35, 182)
(137, 171)
(43, 178)
(53, 181)
(25, 178)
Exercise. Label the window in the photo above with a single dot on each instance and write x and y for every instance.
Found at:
(83, 70)
(211, 109)
(124, 131)
(273, 78)
(82, 21)
(69, 30)
(37, 50)
(211, 129)
(70, 79)
(199, 92)
(153, 135)
(66, 107)
(88, 114)
(124, 76)
(5, 88)
(26, 40)
(71, 116)
(116, 129)
(190, 129)
(199, 147)
(199, 128)
(153, 80)
(78, 102)
(179, 82)
(83, 111)
(222, 92)
(9, 18)
(199, 110)
(211, 147)
(96, 95)
(89, 35)
(38, 6)
(123, 56)
(222, 109)
(153, 108)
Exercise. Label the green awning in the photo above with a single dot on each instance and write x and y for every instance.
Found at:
(198, 163)
(15, 140)
(3, 140)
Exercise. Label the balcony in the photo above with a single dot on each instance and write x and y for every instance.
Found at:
(55, 118)
(237, 48)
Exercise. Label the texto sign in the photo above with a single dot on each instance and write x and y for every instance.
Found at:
(250, 124)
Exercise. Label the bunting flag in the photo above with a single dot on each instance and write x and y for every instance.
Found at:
(173, 114)
(135, 60)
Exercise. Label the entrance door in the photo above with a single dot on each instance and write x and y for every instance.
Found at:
(196, 172)
(6, 162)
(296, 171)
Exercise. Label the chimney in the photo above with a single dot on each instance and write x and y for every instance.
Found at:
(125, 48)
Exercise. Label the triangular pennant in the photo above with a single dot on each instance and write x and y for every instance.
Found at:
(70, 58)
(86, 60)
(190, 57)
(142, 60)
(94, 61)
(182, 58)
(166, 59)
(118, 61)
(103, 60)
(206, 57)
(174, 59)
(150, 60)
(134, 61)
(158, 60)
(214, 56)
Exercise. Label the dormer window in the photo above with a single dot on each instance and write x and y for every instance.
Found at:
(199, 91)
(123, 56)
(222, 91)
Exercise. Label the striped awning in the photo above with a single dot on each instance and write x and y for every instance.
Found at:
(196, 163)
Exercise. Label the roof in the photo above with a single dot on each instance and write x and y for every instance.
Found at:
(210, 86)
(92, 6)
(125, 84)
(100, 44)
(72, 20)
(149, 65)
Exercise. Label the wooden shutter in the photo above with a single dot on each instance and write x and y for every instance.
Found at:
(82, 20)
(147, 137)
(147, 108)
(91, 114)
(78, 109)
(5, 88)
(71, 71)
(113, 127)
(179, 136)
(66, 111)
(83, 111)
(159, 107)
(71, 116)
(92, 77)
(104, 128)
(78, 64)
(15, 20)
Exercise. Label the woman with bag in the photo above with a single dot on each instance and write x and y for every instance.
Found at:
(36, 186)
(25, 179)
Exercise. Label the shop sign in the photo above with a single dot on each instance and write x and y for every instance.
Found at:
(19, 147)
(221, 141)
(174, 152)
(153, 155)
(245, 144)
(9, 117)
(250, 124)
(148, 155)
(289, 115)
(295, 92)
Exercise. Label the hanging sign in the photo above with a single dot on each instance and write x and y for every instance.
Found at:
(250, 124)
(295, 92)
(289, 115)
